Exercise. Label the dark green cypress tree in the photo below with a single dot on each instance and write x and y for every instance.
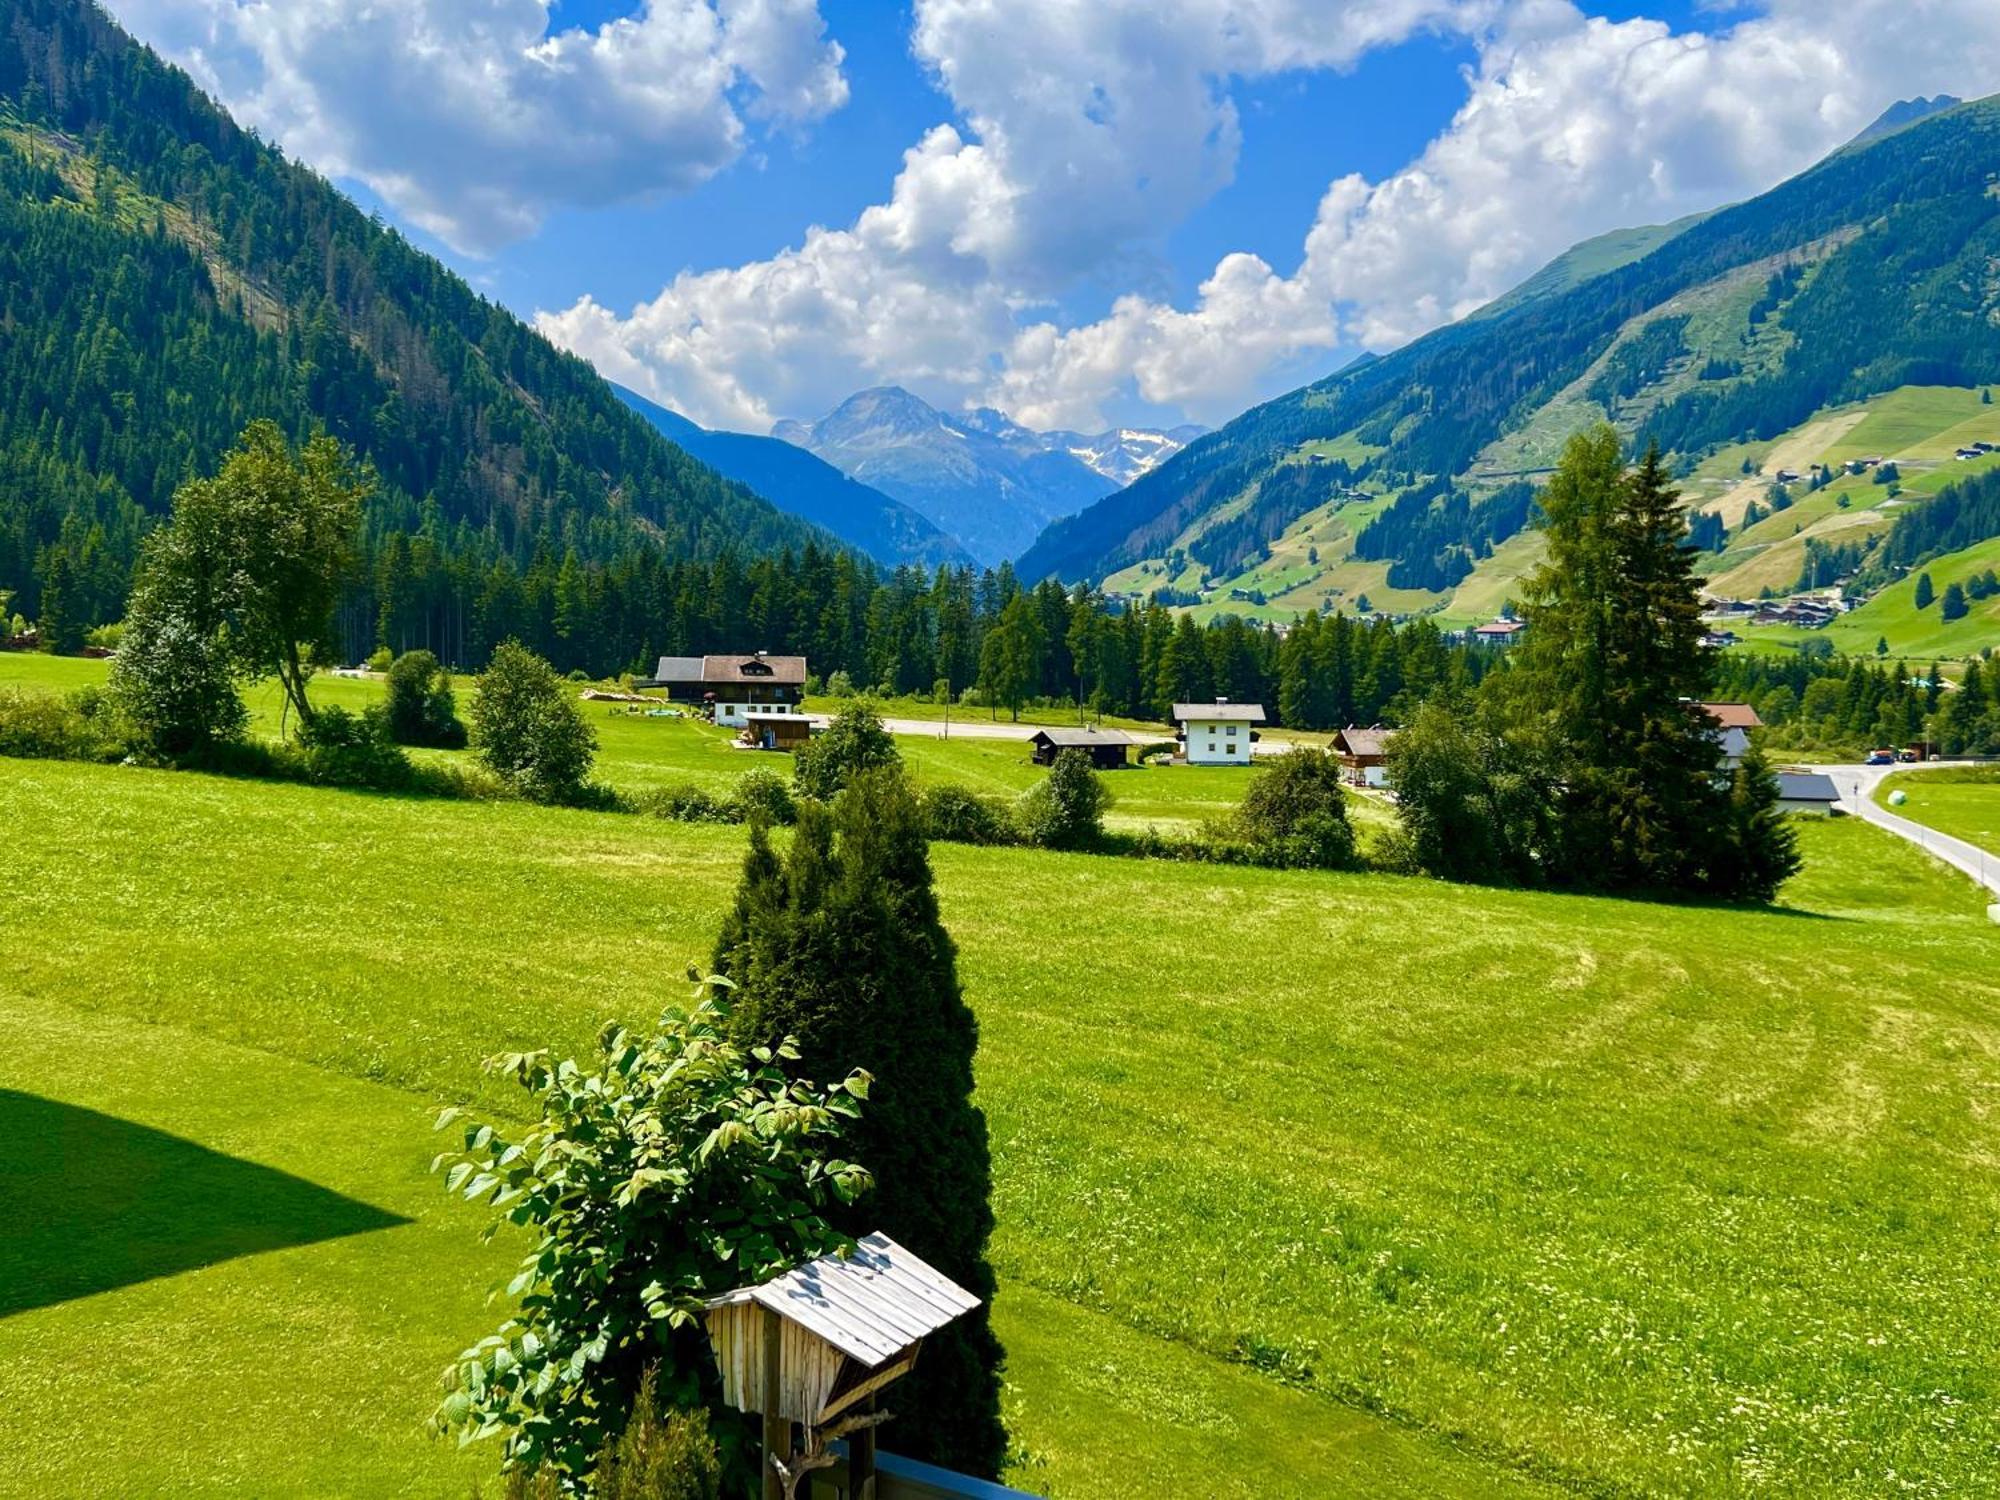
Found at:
(840, 944)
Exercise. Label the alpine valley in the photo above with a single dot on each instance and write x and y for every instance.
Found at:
(1847, 316)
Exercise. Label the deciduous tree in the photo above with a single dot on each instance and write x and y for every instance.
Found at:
(528, 729)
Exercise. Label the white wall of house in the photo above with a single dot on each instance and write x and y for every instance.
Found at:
(1376, 776)
(1212, 743)
(736, 715)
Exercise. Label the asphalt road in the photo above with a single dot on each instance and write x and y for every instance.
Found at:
(1857, 786)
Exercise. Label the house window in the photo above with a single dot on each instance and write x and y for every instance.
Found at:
(1232, 731)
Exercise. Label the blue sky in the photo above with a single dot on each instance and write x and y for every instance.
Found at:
(1082, 211)
(1299, 132)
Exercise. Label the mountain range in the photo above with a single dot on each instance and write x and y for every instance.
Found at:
(1406, 481)
(166, 278)
(807, 486)
(985, 479)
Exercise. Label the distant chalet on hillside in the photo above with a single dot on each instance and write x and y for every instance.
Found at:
(1365, 754)
(734, 686)
(1733, 723)
(1497, 632)
(1218, 733)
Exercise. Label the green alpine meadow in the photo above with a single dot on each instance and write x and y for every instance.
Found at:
(955, 751)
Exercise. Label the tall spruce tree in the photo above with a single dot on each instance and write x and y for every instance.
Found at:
(1613, 666)
(1767, 852)
(840, 944)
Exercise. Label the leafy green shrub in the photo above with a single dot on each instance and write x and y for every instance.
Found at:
(1065, 809)
(1150, 843)
(764, 794)
(685, 1165)
(528, 729)
(174, 679)
(853, 743)
(341, 756)
(687, 803)
(105, 637)
(958, 816)
(657, 1457)
(338, 748)
(1294, 813)
(1468, 801)
(59, 726)
(422, 708)
(381, 659)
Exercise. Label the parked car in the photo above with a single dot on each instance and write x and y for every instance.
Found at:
(1881, 758)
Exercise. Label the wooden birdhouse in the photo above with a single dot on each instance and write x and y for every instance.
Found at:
(815, 1345)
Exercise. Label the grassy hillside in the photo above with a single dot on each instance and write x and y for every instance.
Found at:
(1910, 631)
(1456, 1191)
(1861, 276)
(1312, 566)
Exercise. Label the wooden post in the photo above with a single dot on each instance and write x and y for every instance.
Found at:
(861, 1459)
(777, 1430)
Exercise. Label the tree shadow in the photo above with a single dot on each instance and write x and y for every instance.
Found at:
(89, 1203)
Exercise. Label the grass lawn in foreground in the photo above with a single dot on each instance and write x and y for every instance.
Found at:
(1473, 1189)
(1964, 802)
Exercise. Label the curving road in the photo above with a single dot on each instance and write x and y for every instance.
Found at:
(1857, 795)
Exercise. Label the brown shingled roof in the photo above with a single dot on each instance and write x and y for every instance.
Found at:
(753, 666)
(1371, 743)
(1733, 715)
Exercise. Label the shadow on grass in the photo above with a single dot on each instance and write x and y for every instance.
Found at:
(89, 1203)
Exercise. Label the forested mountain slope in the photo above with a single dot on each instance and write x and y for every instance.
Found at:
(809, 487)
(165, 278)
(1867, 272)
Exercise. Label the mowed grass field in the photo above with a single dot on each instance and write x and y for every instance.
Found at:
(1306, 1184)
(638, 753)
(1964, 802)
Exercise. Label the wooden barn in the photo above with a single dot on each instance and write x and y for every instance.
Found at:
(776, 730)
(1109, 748)
(814, 1346)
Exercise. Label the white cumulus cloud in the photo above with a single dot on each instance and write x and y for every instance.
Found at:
(474, 120)
(1087, 131)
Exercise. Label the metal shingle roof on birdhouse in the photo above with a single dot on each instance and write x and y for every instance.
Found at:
(849, 1325)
